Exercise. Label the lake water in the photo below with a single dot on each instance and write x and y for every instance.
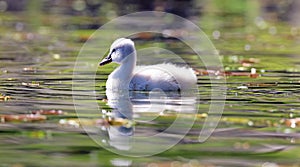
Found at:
(259, 124)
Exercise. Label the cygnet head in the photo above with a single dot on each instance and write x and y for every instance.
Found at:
(119, 51)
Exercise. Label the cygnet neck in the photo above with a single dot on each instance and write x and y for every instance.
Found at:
(124, 72)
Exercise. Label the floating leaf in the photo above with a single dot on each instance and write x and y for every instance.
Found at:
(293, 123)
(250, 61)
(261, 84)
(251, 74)
(115, 122)
(4, 98)
(248, 74)
(22, 118)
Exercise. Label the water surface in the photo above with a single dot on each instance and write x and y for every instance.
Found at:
(259, 126)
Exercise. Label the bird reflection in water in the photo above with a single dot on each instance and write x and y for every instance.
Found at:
(128, 108)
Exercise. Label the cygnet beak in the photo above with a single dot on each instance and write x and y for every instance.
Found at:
(106, 60)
